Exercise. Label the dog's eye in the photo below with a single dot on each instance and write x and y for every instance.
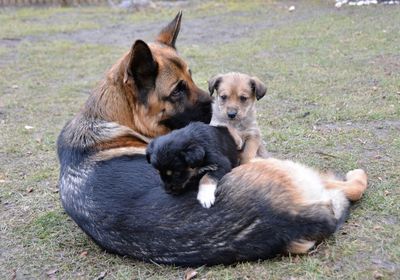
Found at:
(223, 97)
(190, 73)
(243, 98)
(179, 90)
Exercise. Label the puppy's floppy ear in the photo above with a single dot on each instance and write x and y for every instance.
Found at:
(149, 151)
(193, 155)
(258, 87)
(213, 83)
(170, 32)
(142, 68)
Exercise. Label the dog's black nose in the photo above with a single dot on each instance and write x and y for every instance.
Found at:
(232, 115)
(172, 189)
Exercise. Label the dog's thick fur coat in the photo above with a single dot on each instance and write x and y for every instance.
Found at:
(262, 208)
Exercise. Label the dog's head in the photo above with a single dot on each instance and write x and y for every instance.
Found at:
(158, 85)
(176, 159)
(236, 95)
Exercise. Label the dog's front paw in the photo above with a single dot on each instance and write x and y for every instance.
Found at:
(206, 195)
(239, 143)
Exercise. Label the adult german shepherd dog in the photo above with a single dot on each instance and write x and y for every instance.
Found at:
(263, 208)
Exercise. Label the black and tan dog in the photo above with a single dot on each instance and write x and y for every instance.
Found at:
(263, 208)
(196, 155)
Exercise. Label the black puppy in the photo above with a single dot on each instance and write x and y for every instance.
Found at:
(186, 154)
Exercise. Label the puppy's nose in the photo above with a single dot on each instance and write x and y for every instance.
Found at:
(232, 115)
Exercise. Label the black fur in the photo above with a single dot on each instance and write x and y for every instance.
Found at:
(143, 69)
(201, 111)
(121, 205)
(193, 147)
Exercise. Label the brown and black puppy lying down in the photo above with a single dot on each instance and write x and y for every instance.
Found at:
(262, 208)
(195, 152)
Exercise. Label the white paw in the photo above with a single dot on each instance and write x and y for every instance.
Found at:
(206, 195)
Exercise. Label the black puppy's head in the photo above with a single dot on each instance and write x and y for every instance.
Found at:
(176, 159)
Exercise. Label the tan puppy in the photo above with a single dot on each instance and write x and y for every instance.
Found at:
(234, 107)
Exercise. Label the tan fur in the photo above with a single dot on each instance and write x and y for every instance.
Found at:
(294, 188)
(113, 116)
(353, 188)
(117, 152)
(300, 246)
(243, 127)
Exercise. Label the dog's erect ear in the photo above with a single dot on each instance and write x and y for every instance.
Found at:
(142, 68)
(170, 32)
(258, 87)
(213, 83)
(149, 151)
(194, 155)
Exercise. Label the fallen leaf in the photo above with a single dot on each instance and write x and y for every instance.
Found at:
(15, 86)
(84, 254)
(377, 275)
(54, 190)
(361, 141)
(386, 192)
(28, 127)
(52, 271)
(29, 190)
(377, 227)
(292, 8)
(190, 274)
(101, 275)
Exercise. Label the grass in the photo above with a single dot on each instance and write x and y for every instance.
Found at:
(333, 102)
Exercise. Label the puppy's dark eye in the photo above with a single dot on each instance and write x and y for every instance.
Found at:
(223, 97)
(243, 98)
(179, 90)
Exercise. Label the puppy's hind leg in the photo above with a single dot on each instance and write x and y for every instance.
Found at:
(206, 194)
